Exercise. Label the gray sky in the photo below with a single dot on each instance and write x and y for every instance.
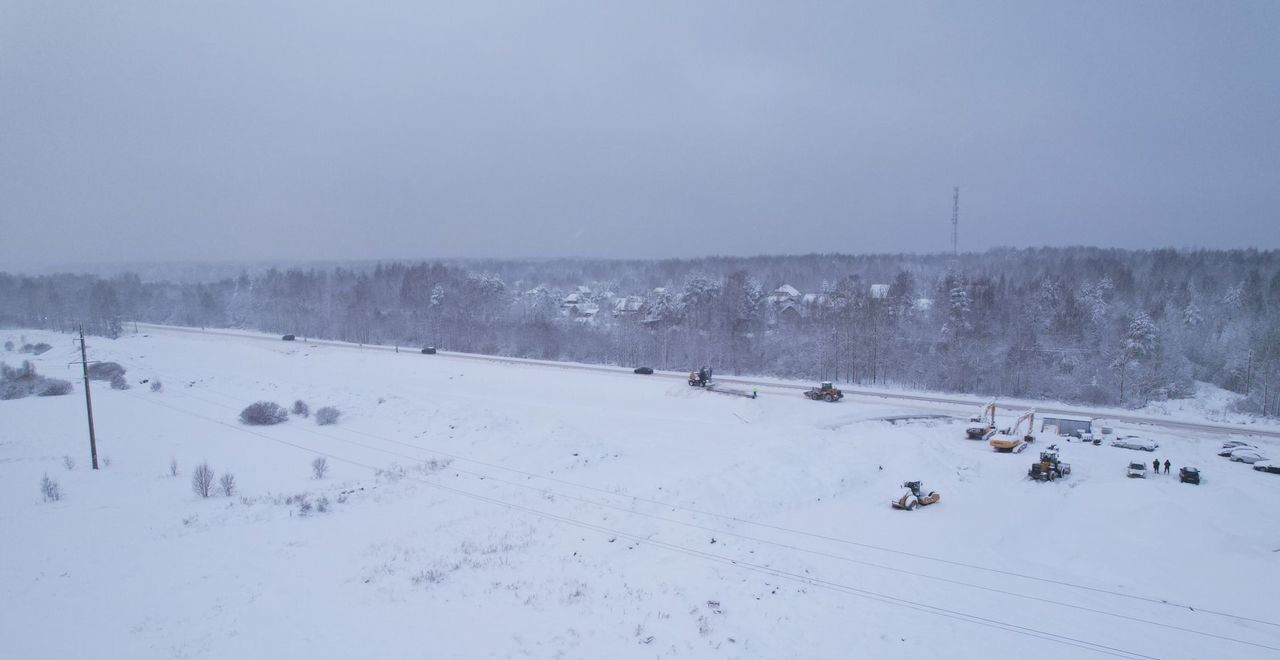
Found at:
(331, 130)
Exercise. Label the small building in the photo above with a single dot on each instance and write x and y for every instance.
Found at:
(1067, 425)
(879, 291)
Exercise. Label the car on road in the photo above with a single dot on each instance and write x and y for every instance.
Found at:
(644, 371)
(1189, 475)
(428, 350)
(1246, 456)
(1267, 467)
(1134, 442)
(1137, 471)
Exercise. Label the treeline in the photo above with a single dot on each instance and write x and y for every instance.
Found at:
(1078, 324)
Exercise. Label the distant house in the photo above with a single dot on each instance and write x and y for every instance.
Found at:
(784, 294)
(628, 306)
(879, 291)
(922, 304)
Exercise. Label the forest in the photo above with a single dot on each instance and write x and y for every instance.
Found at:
(1083, 325)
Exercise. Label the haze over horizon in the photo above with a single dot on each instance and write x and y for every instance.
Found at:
(137, 132)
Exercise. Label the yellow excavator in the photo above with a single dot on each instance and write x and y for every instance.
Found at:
(983, 426)
(913, 497)
(1015, 439)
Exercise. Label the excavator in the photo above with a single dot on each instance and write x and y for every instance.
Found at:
(983, 426)
(912, 497)
(1015, 439)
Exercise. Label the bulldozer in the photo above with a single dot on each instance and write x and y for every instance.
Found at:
(824, 392)
(1015, 439)
(700, 378)
(912, 497)
(983, 425)
(1049, 467)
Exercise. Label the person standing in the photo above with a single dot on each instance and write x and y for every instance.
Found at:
(1155, 466)
(1167, 464)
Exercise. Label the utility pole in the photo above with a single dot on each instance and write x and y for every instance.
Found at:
(955, 222)
(88, 401)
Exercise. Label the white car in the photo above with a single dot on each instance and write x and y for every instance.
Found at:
(1227, 451)
(1246, 456)
(1134, 442)
(1237, 444)
(1138, 470)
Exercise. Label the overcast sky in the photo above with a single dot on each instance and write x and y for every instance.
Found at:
(166, 131)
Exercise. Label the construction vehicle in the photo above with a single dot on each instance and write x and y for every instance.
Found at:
(982, 426)
(700, 378)
(1049, 467)
(1015, 439)
(824, 392)
(912, 497)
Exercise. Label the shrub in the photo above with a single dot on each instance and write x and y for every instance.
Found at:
(301, 409)
(105, 371)
(322, 504)
(228, 483)
(173, 467)
(319, 467)
(54, 387)
(119, 383)
(36, 349)
(69, 463)
(327, 415)
(202, 480)
(50, 490)
(8, 346)
(156, 386)
(263, 413)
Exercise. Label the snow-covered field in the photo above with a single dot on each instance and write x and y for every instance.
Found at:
(482, 510)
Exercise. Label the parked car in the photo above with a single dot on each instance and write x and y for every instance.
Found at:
(1189, 475)
(1137, 470)
(1246, 456)
(428, 350)
(1237, 444)
(288, 338)
(644, 371)
(1134, 442)
(1267, 467)
(1228, 451)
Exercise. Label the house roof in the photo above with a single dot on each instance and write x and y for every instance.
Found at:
(786, 290)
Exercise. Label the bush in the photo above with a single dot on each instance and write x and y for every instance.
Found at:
(105, 371)
(173, 467)
(202, 480)
(8, 346)
(319, 467)
(322, 504)
(119, 383)
(156, 386)
(50, 490)
(327, 415)
(263, 413)
(228, 483)
(36, 349)
(69, 463)
(54, 387)
(301, 409)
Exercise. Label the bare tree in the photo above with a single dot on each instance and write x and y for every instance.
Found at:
(301, 409)
(228, 483)
(319, 467)
(327, 415)
(69, 463)
(173, 467)
(202, 480)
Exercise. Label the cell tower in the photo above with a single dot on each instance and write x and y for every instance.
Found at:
(955, 221)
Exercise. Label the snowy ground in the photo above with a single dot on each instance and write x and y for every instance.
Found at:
(492, 510)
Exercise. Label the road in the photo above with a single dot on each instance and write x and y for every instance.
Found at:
(768, 384)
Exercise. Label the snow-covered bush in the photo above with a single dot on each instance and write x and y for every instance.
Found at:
(50, 490)
(301, 409)
(156, 386)
(228, 483)
(327, 415)
(69, 463)
(319, 467)
(202, 480)
(263, 413)
(54, 387)
(119, 383)
(322, 504)
(35, 349)
(173, 467)
(19, 382)
(105, 371)
(8, 346)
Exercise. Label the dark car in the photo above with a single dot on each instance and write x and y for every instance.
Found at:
(428, 350)
(644, 371)
(1267, 467)
(288, 338)
(1189, 475)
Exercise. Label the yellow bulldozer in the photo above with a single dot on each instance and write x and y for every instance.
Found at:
(913, 497)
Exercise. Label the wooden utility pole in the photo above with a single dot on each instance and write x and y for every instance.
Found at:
(88, 401)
